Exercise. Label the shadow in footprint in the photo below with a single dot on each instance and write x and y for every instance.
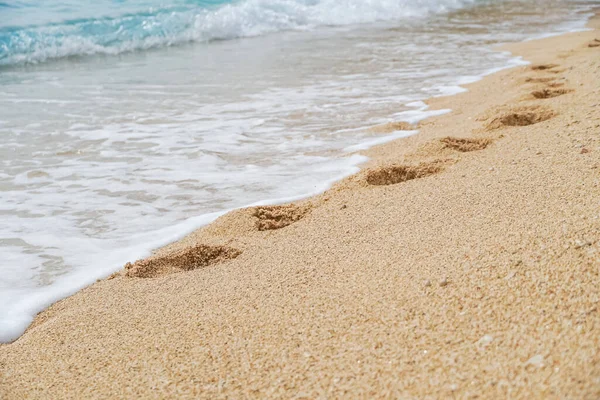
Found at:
(180, 260)
(465, 145)
(393, 174)
(277, 217)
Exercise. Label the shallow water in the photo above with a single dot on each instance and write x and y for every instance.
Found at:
(106, 156)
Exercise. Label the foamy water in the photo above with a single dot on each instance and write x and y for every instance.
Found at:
(108, 156)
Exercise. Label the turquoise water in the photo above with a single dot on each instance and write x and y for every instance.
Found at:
(33, 31)
(37, 30)
(127, 124)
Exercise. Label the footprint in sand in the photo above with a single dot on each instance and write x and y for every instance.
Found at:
(550, 68)
(277, 217)
(540, 80)
(180, 260)
(465, 145)
(543, 67)
(521, 116)
(549, 93)
(594, 43)
(393, 174)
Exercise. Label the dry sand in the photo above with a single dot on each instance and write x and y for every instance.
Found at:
(461, 262)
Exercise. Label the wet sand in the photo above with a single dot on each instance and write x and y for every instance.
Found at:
(460, 262)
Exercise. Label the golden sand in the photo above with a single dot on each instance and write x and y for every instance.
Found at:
(462, 262)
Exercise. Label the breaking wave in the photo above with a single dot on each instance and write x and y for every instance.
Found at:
(106, 31)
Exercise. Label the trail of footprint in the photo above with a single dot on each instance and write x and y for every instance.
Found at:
(465, 145)
(393, 174)
(277, 217)
(180, 260)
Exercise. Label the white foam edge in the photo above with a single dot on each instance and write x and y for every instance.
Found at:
(22, 313)
(14, 324)
(513, 61)
(379, 140)
(580, 27)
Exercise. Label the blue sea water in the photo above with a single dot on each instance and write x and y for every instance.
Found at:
(127, 124)
(33, 31)
(37, 30)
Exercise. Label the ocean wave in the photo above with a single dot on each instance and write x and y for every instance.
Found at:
(170, 26)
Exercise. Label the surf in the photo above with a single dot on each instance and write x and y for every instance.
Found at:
(103, 28)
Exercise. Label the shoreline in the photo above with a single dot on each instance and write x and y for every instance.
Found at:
(26, 309)
(74, 281)
(251, 240)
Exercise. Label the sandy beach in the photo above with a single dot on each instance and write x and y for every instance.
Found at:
(461, 262)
